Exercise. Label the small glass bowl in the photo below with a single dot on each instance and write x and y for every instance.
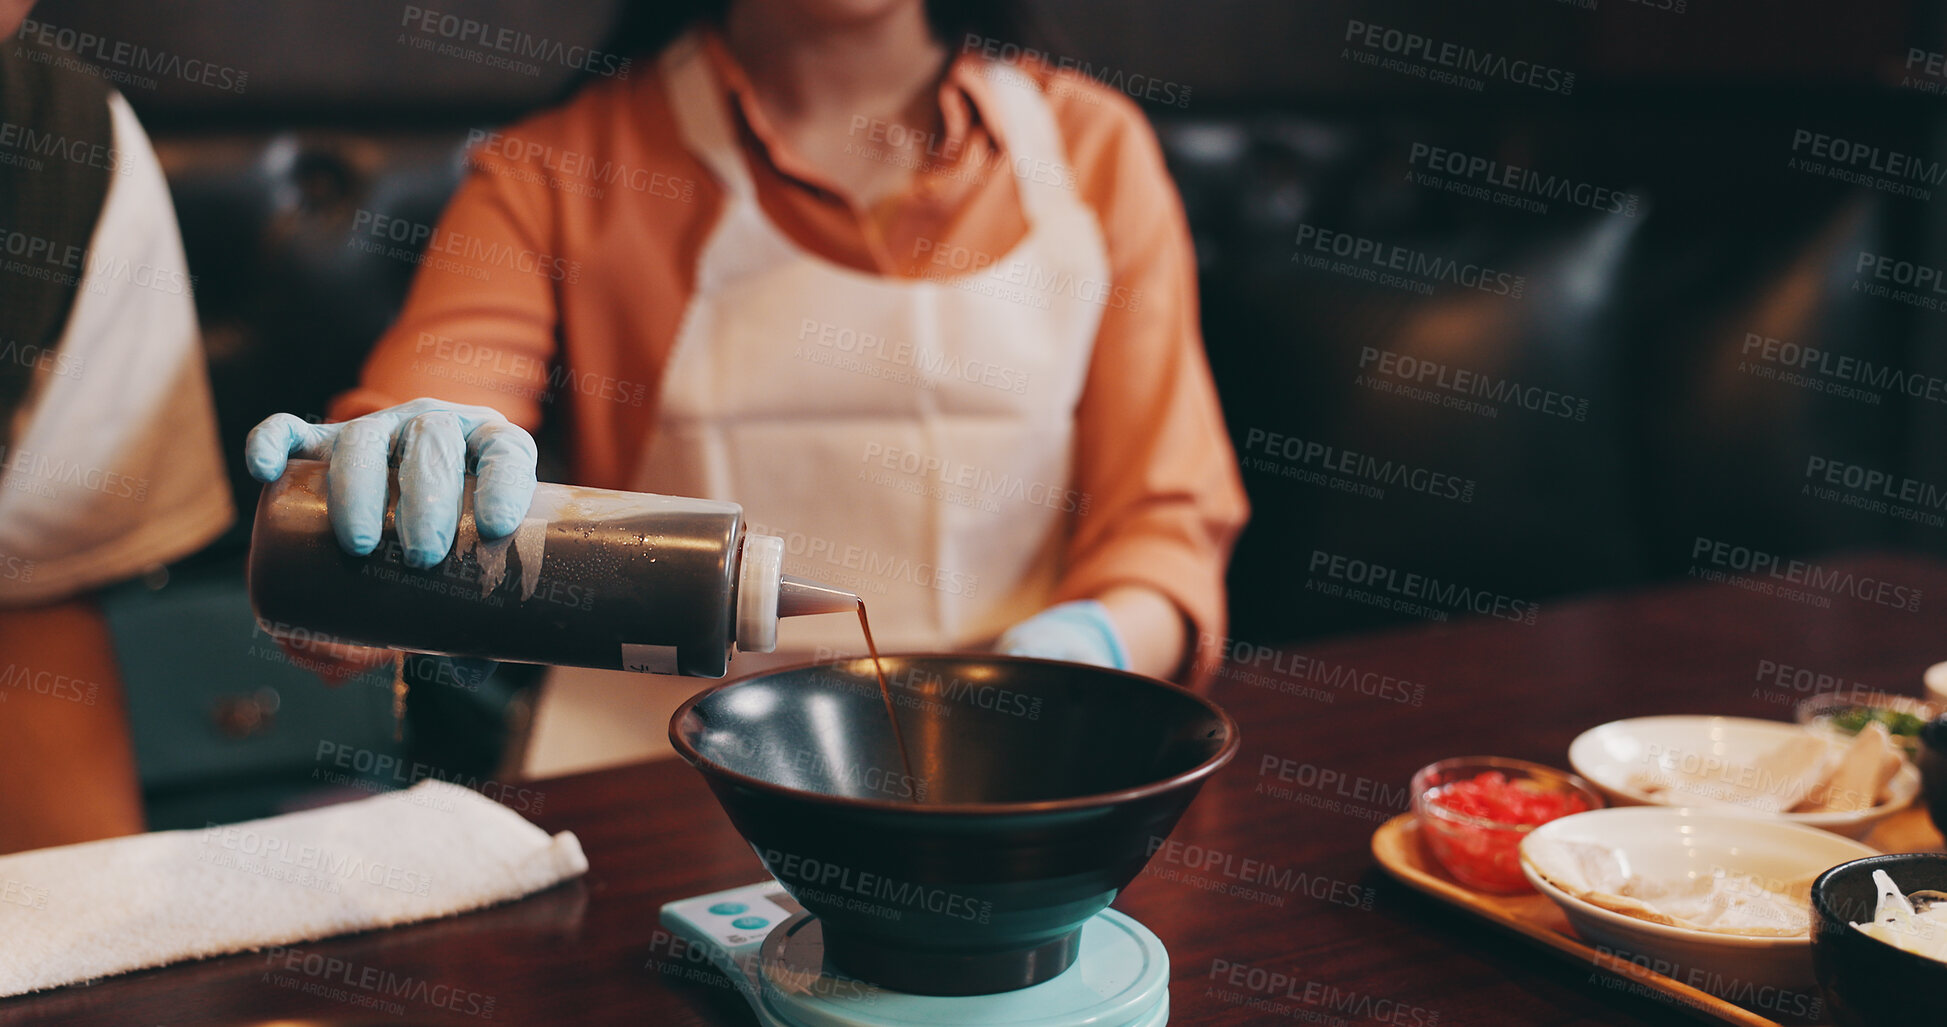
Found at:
(1479, 852)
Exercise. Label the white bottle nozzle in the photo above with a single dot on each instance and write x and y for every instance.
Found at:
(765, 593)
(797, 597)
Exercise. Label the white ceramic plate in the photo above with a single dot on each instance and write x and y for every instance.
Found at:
(1682, 844)
(1610, 755)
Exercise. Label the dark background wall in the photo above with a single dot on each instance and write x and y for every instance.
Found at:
(342, 60)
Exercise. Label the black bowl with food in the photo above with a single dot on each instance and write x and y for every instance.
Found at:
(1869, 982)
(1036, 792)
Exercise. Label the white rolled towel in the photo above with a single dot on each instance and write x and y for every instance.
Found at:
(78, 912)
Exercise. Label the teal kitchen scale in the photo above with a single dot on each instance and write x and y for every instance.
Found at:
(773, 952)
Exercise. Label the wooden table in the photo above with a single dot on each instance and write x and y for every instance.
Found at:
(1268, 872)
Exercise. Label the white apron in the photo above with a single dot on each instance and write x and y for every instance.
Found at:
(911, 440)
(874, 422)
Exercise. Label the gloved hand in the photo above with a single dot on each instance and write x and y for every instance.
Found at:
(435, 442)
(1078, 631)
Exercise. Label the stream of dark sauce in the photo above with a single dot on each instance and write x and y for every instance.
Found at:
(885, 693)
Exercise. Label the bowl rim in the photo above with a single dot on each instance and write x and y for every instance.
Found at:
(1202, 770)
(1422, 808)
(1908, 773)
(1730, 821)
(1821, 915)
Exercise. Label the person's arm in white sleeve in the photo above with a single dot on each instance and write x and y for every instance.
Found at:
(116, 466)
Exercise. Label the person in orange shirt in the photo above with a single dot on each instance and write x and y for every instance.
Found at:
(924, 306)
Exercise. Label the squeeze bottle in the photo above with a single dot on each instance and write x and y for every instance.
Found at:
(591, 578)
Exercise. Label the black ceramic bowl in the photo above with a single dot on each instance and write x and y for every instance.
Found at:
(1932, 758)
(1867, 982)
(1038, 791)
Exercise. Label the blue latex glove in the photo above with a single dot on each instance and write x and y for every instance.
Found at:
(435, 442)
(1078, 631)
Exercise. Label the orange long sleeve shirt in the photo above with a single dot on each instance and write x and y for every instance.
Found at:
(554, 284)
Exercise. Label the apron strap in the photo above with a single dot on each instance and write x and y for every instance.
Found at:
(1036, 156)
(702, 111)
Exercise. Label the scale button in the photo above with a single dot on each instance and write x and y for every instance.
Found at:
(728, 909)
(749, 923)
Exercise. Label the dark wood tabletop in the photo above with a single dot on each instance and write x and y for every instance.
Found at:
(1269, 871)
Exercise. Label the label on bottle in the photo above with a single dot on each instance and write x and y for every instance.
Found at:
(649, 659)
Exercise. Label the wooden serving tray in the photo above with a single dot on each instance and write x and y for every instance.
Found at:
(1397, 847)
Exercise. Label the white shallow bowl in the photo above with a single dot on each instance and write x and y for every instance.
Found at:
(1607, 756)
(1663, 843)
